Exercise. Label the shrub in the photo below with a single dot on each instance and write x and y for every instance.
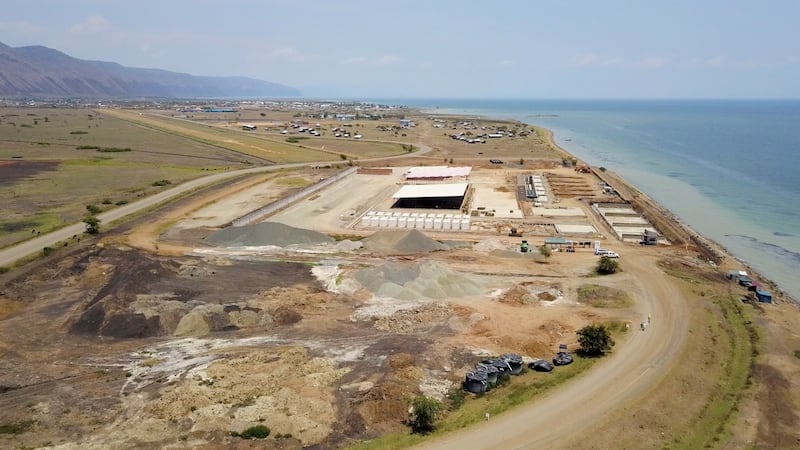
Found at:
(594, 340)
(16, 428)
(113, 149)
(607, 266)
(93, 209)
(162, 183)
(425, 411)
(87, 147)
(256, 432)
(78, 132)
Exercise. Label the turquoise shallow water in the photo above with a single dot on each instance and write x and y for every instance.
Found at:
(730, 169)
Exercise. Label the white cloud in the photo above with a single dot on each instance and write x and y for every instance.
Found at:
(355, 60)
(711, 62)
(651, 62)
(388, 59)
(92, 24)
(595, 59)
(291, 54)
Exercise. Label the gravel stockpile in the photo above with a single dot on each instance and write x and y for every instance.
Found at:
(266, 233)
(414, 281)
(399, 241)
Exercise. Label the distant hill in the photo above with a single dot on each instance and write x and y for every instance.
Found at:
(37, 71)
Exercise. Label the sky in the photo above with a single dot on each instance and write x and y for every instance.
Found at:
(439, 48)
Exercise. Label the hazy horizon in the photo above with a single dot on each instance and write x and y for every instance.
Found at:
(445, 49)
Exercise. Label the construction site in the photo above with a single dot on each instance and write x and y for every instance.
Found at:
(321, 301)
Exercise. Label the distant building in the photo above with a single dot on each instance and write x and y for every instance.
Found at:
(248, 127)
(345, 117)
(407, 123)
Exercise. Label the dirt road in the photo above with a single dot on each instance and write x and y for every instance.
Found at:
(561, 418)
(9, 256)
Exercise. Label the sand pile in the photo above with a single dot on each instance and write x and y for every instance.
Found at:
(266, 233)
(488, 245)
(399, 241)
(410, 281)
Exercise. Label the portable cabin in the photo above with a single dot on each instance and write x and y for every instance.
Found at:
(763, 296)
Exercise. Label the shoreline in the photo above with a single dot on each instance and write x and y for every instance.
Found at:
(708, 246)
(711, 250)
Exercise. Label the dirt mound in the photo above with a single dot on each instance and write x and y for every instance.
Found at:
(414, 319)
(518, 295)
(412, 281)
(399, 241)
(266, 233)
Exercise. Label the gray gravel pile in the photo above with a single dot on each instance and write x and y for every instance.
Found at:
(400, 241)
(410, 281)
(266, 233)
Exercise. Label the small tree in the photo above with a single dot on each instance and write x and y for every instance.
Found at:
(92, 224)
(594, 340)
(93, 209)
(545, 250)
(607, 266)
(424, 414)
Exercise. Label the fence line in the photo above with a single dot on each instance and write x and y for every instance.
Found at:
(284, 202)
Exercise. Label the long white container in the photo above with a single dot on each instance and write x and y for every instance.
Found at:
(429, 223)
(447, 223)
(419, 223)
(437, 223)
(384, 222)
(402, 222)
(392, 222)
(464, 225)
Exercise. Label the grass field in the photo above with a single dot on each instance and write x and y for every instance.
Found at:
(699, 400)
(50, 166)
(245, 143)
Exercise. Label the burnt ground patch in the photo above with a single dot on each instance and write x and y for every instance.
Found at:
(13, 171)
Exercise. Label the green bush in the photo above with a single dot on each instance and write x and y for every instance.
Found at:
(113, 149)
(256, 432)
(162, 183)
(16, 428)
(607, 266)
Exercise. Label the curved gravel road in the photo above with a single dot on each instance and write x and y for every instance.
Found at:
(636, 366)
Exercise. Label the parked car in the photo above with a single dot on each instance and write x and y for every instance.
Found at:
(610, 254)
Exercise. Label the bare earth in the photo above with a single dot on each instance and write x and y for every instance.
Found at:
(151, 337)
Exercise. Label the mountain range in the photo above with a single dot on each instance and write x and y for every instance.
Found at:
(37, 71)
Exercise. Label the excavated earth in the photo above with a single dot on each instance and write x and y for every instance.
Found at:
(111, 346)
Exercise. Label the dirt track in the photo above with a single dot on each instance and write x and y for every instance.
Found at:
(563, 417)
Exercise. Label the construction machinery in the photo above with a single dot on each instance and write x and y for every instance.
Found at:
(515, 232)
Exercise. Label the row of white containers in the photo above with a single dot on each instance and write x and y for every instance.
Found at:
(420, 221)
(538, 186)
